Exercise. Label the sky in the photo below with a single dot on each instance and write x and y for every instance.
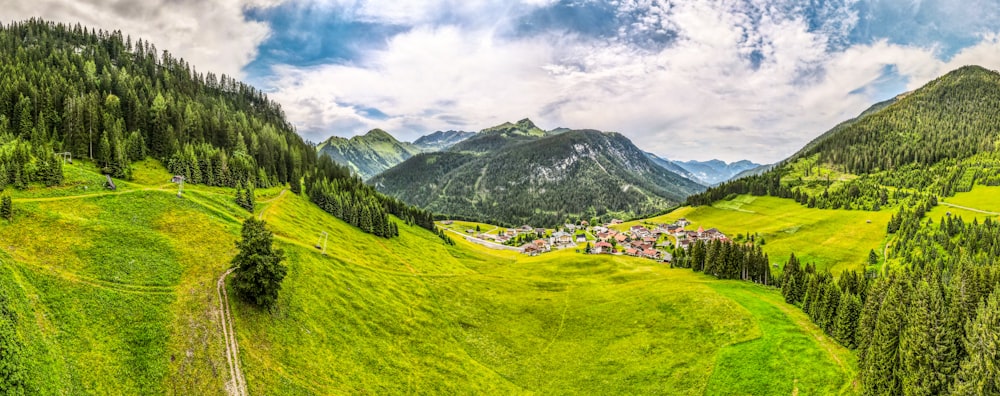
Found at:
(691, 79)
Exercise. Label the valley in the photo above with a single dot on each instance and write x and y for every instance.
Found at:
(169, 231)
(364, 317)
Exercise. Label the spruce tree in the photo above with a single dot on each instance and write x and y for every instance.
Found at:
(846, 322)
(259, 272)
(980, 371)
(927, 344)
(6, 208)
(881, 371)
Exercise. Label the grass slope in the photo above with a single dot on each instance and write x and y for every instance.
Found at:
(114, 295)
(833, 239)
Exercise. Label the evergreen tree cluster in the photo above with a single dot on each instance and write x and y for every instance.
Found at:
(726, 260)
(245, 196)
(334, 189)
(929, 326)
(102, 96)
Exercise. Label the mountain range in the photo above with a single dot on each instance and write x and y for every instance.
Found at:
(517, 173)
(714, 171)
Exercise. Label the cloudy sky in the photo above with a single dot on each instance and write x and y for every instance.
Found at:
(688, 79)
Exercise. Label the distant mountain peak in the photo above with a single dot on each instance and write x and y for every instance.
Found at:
(526, 124)
(380, 134)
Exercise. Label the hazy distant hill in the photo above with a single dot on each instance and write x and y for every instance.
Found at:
(441, 140)
(515, 173)
(368, 154)
(671, 166)
(714, 171)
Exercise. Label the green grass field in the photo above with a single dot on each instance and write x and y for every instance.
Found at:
(115, 295)
(832, 239)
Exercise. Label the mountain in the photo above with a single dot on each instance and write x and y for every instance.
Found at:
(369, 154)
(753, 171)
(671, 166)
(441, 140)
(500, 136)
(529, 177)
(941, 138)
(714, 171)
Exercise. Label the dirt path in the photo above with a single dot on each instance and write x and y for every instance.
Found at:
(237, 385)
(273, 202)
(969, 209)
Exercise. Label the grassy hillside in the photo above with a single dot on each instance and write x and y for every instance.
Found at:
(114, 294)
(831, 239)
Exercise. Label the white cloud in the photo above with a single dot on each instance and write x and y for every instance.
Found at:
(698, 98)
(211, 35)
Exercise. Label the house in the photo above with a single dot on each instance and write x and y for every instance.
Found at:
(502, 238)
(682, 222)
(603, 236)
(178, 178)
(599, 229)
(562, 238)
(584, 223)
(540, 231)
(569, 227)
(530, 249)
(487, 236)
(541, 244)
(581, 238)
(526, 229)
(649, 239)
(621, 238)
(667, 257)
(510, 232)
(616, 221)
(650, 253)
(470, 231)
(602, 248)
(637, 228)
(632, 251)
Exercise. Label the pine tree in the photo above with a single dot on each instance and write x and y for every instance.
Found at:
(846, 322)
(259, 272)
(881, 370)
(928, 344)
(980, 371)
(6, 208)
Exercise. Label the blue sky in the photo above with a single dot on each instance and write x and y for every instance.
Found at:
(729, 79)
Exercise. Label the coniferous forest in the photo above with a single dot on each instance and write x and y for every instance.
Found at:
(73, 92)
(928, 323)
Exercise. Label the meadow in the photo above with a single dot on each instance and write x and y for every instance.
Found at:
(114, 295)
(831, 239)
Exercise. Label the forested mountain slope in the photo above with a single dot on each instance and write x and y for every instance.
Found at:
(922, 313)
(941, 139)
(69, 92)
(579, 174)
(369, 154)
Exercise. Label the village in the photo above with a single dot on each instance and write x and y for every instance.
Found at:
(653, 242)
